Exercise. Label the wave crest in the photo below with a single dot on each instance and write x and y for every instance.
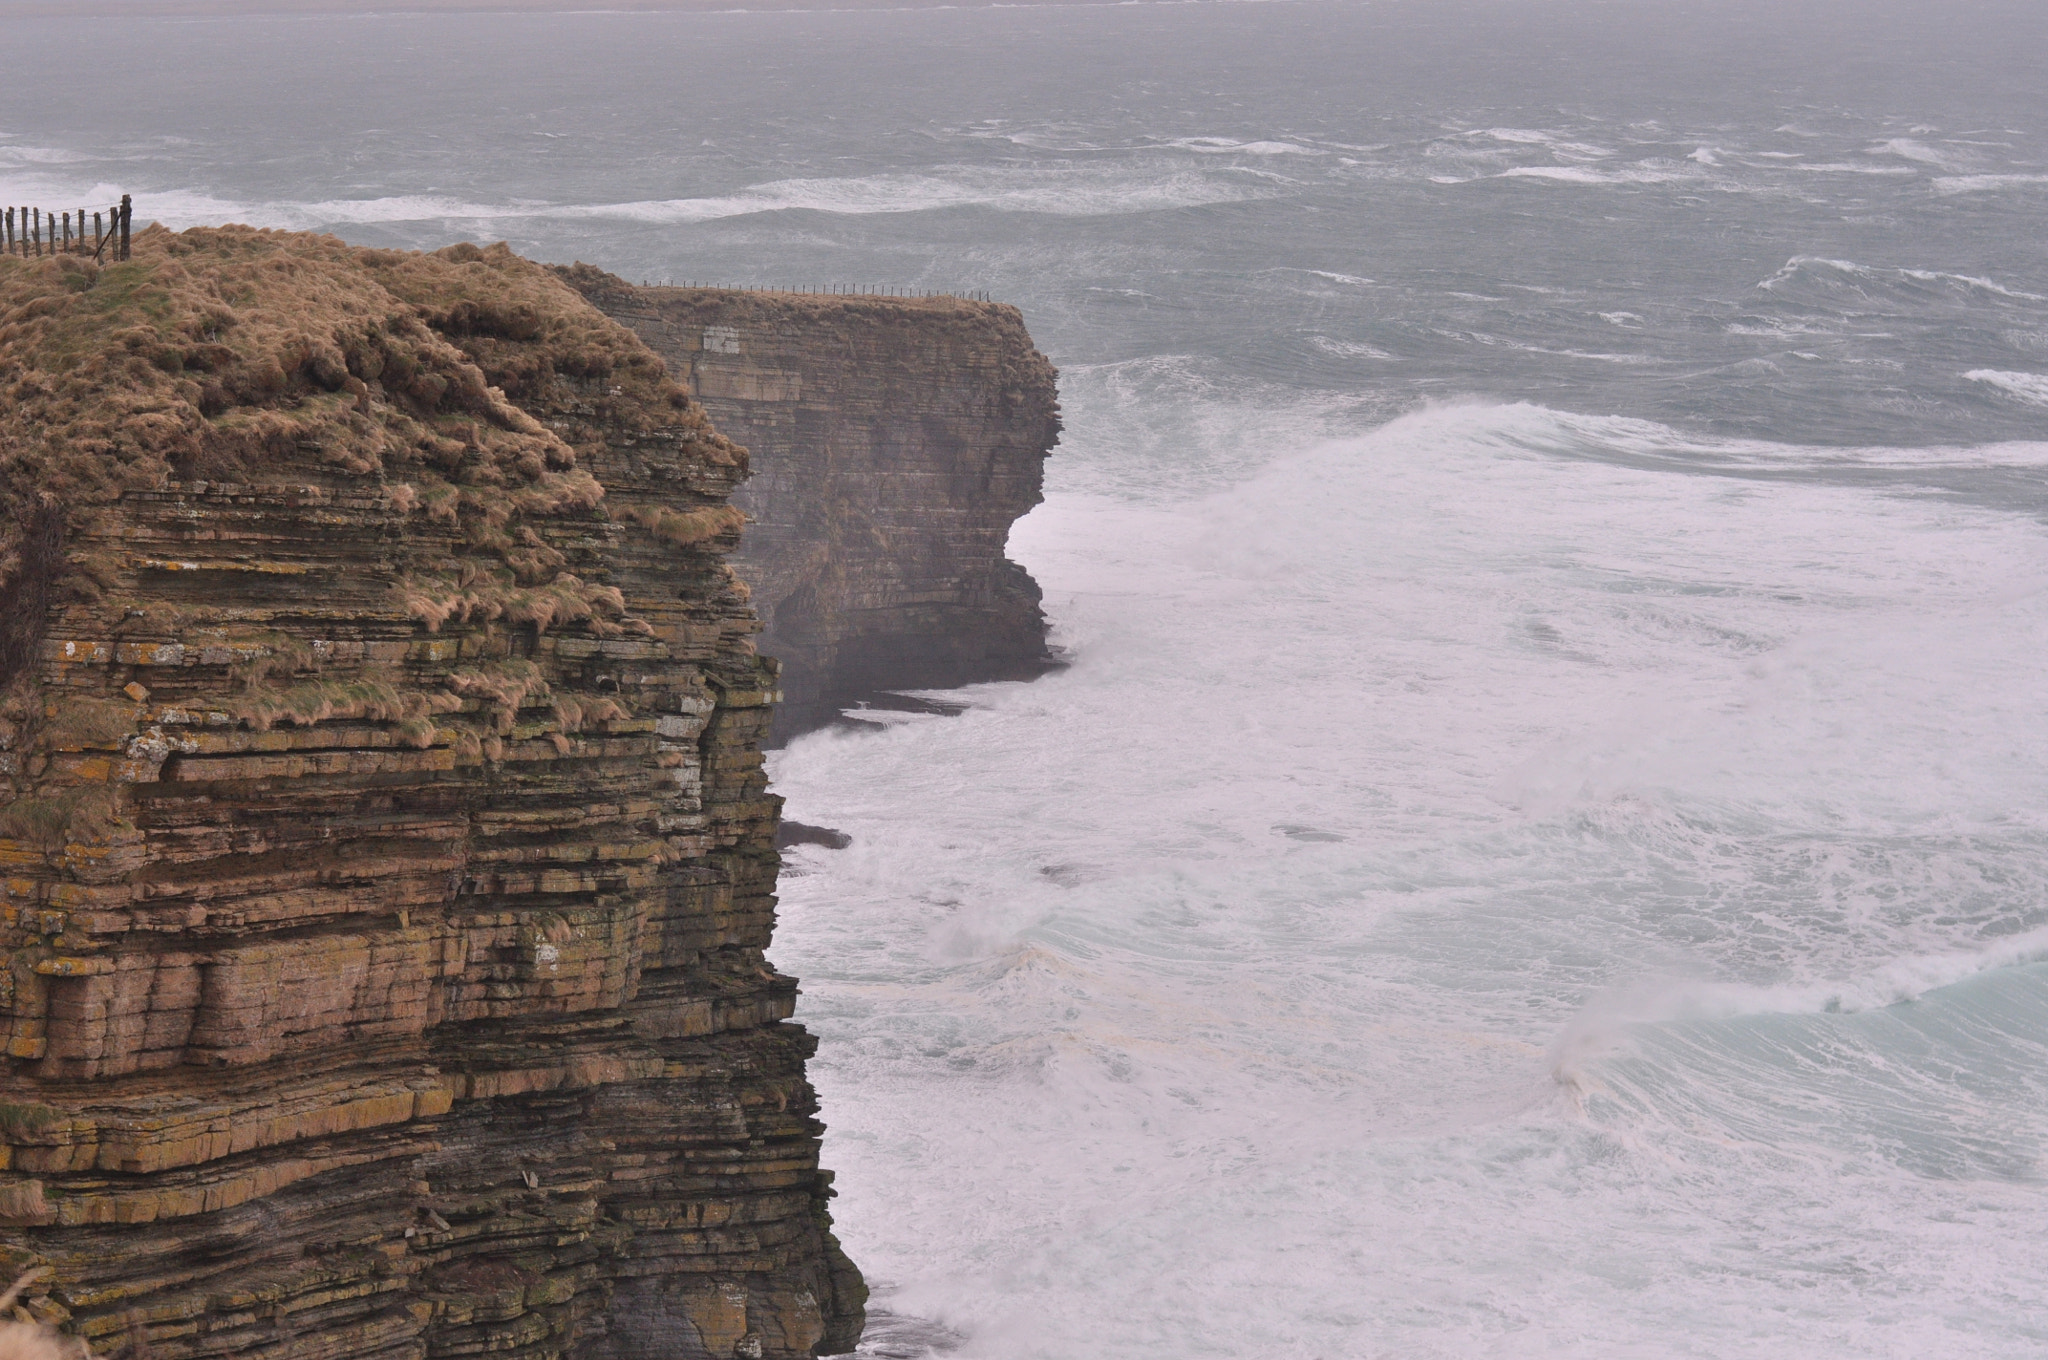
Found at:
(1596, 1028)
(2031, 387)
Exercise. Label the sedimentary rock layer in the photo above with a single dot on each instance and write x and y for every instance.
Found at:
(387, 856)
(894, 441)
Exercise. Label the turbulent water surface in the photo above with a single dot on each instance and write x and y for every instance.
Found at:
(1541, 849)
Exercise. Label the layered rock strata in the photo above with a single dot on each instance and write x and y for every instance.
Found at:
(894, 441)
(386, 861)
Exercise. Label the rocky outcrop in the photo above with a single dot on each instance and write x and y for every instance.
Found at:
(894, 441)
(385, 857)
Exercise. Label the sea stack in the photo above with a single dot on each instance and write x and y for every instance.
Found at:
(388, 861)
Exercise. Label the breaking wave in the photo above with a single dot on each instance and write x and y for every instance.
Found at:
(2031, 387)
(1080, 192)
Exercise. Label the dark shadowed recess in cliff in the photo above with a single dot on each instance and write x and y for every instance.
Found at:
(893, 442)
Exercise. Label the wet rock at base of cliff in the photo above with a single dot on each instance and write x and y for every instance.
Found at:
(894, 442)
(791, 834)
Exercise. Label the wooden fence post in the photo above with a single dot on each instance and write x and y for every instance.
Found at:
(127, 211)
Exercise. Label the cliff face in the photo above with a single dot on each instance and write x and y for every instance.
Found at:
(386, 857)
(894, 441)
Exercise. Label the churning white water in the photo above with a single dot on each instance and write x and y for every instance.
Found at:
(1542, 847)
(1499, 885)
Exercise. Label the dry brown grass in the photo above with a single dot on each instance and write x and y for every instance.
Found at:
(707, 524)
(232, 354)
(373, 697)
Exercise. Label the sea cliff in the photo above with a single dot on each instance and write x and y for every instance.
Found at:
(387, 857)
(894, 441)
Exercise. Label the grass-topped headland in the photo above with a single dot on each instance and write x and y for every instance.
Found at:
(389, 854)
(226, 354)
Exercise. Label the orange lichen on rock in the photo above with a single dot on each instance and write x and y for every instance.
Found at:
(385, 857)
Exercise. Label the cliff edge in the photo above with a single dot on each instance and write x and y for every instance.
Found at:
(386, 862)
(894, 441)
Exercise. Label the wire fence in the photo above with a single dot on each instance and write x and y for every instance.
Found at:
(34, 232)
(825, 289)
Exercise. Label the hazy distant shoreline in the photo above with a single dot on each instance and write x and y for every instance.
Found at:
(198, 9)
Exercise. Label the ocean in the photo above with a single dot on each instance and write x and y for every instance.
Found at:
(1541, 847)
